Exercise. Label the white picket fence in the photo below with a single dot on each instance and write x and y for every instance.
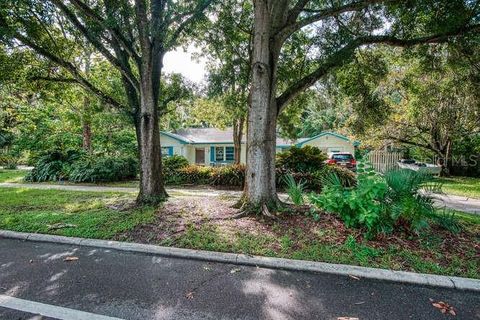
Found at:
(383, 161)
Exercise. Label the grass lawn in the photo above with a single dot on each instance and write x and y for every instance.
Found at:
(461, 186)
(204, 223)
(12, 175)
(43, 211)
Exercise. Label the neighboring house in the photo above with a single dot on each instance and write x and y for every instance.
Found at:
(211, 146)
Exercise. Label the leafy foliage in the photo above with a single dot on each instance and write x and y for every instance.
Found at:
(295, 190)
(171, 165)
(347, 177)
(8, 161)
(80, 167)
(228, 176)
(53, 166)
(305, 159)
(194, 174)
(379, 203)
(103, 169)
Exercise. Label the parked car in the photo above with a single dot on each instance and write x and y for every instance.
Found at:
(343, 159)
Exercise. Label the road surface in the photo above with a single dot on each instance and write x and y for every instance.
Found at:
(107, 284)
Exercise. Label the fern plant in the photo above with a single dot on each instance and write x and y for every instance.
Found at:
(380, 202)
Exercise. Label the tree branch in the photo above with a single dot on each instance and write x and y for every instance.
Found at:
(416, 144)
(346, 53)
(95, 42)
(54, 79)
(294, 25)
(70, 68)
(115, 32)
(201, 6)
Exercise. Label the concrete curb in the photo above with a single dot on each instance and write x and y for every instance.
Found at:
(266, 262)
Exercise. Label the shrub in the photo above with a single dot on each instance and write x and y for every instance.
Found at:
(171, 166)
(346, 176)
(79, 167)
(379, 203)
(305, 159)
(194, 174)
(8, 161)
(53, 166)
(310, 181)
(103, 169)
(228, 176)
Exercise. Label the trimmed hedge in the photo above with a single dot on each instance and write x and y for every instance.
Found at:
(194, 174)
(233, 176)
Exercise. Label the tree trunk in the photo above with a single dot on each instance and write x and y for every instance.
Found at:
(86, 111)
(237, 139)
(445, 160)
(152, 190)
(87, 135)
(260, 188)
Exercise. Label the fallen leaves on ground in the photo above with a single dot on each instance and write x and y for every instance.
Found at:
(70, 259)
(189, 295)
(444, 307)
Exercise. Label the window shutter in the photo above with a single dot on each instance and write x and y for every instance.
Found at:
(212, 154)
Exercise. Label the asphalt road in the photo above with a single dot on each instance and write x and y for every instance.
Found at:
(34, 278)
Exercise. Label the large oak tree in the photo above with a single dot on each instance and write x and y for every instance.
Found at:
(335, 30)
(133, 36)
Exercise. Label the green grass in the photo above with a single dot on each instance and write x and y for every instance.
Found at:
(461, 186)
(29, 210)
(12, 175)
(426, 254)
(297, 246)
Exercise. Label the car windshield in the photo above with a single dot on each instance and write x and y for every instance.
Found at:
(342, 157)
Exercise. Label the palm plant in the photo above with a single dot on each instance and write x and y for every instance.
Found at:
(409, 197)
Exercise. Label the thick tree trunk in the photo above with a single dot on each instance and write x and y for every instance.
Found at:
(237, 139)
(260, 189)
(152, 190)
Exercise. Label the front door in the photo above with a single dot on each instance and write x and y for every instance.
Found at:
(200, 155)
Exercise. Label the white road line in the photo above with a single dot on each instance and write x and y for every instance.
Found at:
(49, 310)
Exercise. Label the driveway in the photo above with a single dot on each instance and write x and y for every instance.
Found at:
(104, 284)
(458, 203)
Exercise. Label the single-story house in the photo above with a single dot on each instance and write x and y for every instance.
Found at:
(211, 146)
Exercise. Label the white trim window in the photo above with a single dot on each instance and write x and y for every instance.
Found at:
(224, 154)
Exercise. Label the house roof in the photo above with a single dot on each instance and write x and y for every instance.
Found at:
(219, 136)
(206, 135)
(325, 133)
